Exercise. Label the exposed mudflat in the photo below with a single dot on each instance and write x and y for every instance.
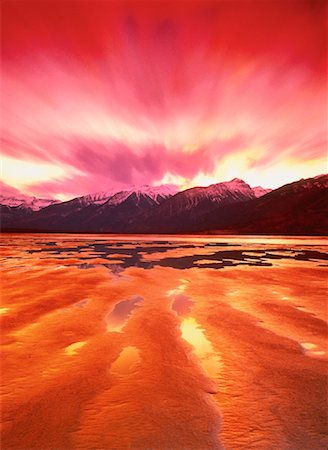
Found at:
(161, 342)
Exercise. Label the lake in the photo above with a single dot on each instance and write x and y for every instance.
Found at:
(163, 342)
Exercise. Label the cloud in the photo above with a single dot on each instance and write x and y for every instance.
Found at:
(127, 93)
(7, 190)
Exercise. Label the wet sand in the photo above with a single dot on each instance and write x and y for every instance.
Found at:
(163, 343)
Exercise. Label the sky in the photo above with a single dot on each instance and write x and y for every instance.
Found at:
(103, 94)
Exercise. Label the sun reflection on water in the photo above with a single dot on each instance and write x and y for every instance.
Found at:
(71, 349)
(126, 361)
(203, 349)
(268, 320)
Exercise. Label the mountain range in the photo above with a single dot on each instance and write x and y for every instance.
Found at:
(25, 202)
(233, 207)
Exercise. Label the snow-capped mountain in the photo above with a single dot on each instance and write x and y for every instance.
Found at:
(185, 207)
(117, 196)
(299, 208)
(206, 198)
(102, 211)
(118, 210)
(232, 206)
(157, 194)
(98, 198)
(23, 201)
(219, 193)
(260, 191)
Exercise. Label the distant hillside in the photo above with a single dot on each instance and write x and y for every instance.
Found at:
(299, 208)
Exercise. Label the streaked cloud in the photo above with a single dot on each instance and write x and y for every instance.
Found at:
(110, 94)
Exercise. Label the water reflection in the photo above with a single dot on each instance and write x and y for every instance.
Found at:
(311, 349)
(81, 304)
(181, 253)
(270, 320)
(119, 316)
(72, 349)
(182, 304)
(203, 349)
(127, 360)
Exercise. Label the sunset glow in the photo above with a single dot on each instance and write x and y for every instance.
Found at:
(110, 94)
(156, 357)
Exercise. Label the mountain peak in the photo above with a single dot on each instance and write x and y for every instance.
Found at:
(25, 202)
(116, 196)
(237, 180)
(155, 209)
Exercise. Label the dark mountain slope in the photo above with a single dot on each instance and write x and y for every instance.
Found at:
(11, 216)
(82, 216)
(183, 210)
(296, 208)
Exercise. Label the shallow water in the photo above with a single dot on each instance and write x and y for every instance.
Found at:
(163, 342)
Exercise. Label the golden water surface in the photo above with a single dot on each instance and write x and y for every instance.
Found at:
(163, 342)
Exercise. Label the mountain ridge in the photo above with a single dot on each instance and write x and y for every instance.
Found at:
(24, 201)
(231, 207)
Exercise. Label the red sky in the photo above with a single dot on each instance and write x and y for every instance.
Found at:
(101, 94)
